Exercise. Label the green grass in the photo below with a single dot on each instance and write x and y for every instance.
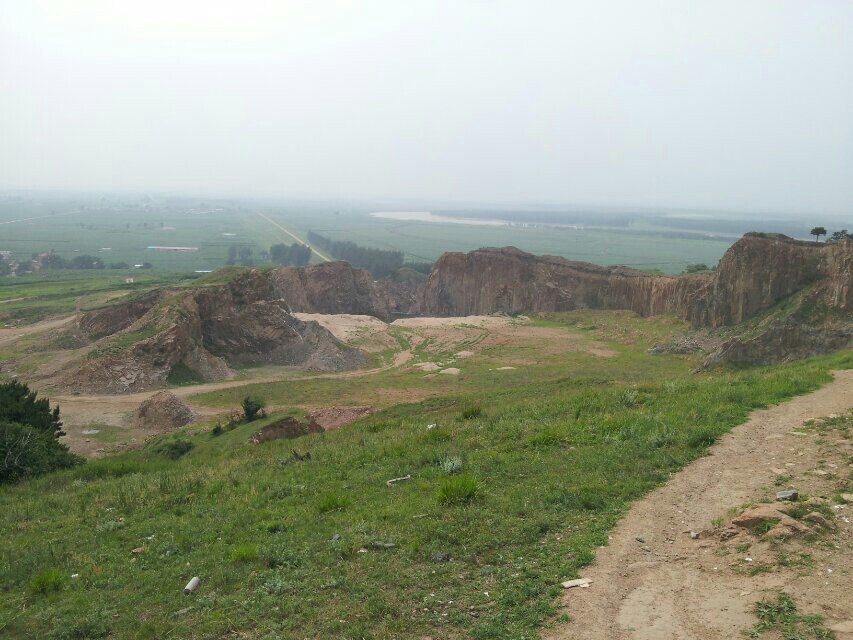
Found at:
(782, 616)
(458, 489)
(560, 455)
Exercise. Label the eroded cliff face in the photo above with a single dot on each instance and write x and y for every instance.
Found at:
(511, 281)
(757, 272)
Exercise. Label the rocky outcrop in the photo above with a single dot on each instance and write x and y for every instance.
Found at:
(511, 281)
(760, 269)
(757, 272)
(331, 287)
(208, 330)
(788, 339)
(105, 321)
(402, 292)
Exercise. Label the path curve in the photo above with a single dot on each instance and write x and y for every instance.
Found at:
(665, 587)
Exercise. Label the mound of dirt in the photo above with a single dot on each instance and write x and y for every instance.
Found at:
(163, 411)
(336, 417)
(285, 428)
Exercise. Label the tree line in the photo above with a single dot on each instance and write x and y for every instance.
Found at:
(379, 262)
(836, 236)
(296, 254)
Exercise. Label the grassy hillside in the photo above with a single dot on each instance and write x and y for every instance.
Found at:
(519, 482)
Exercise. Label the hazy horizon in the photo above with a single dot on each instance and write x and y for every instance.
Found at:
(739, 107)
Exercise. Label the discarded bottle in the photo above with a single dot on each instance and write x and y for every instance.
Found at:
(192, 585)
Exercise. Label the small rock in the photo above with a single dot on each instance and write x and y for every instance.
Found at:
(184, 611)
(847, 497)
(694, 535)
(579, 582)
(640, 540)
(441, 557)
(789, 494)
(138, 550)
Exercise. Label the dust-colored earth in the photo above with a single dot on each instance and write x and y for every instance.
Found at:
(653, 581)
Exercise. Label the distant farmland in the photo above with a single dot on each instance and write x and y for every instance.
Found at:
(135, 230)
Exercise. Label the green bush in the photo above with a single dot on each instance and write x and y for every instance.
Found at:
(47, 581)
(253, 408)
(458, 489)
(26, 451)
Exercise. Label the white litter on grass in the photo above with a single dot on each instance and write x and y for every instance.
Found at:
(430, 427)
(90, 432)
(579, 582)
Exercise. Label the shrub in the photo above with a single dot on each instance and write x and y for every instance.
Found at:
(451, 464)
(217, 430)
(253, 408)
(174, 449)
(19, 404)
(47, 581)
(26, 451)
(458, 489)
(472, 411)
(244, 553)
(332, 502)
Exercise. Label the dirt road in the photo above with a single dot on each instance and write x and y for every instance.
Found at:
(12, 334)
(655, 582)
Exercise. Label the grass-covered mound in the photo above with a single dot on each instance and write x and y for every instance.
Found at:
(518, 494)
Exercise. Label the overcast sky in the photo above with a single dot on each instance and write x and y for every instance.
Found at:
(742, 104)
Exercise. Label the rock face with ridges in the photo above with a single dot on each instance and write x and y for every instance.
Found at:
(758, 271)
(510, 281)
(209, 330)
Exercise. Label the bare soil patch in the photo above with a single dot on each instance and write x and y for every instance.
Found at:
(368, 333)
(336, 417)
(656, 581)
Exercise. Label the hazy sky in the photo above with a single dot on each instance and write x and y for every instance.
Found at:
(742, 104)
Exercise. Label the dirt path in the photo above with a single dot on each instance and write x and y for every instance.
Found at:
(13, 333)
(655, 582)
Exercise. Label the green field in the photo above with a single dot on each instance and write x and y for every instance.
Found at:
(120, 229)
(519, 482)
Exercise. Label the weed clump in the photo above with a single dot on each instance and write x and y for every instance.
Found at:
(451, 464)
(472, 411)
(244, 553)
(458, 489)
(333, 502)
(782, 616)
(47, 581)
